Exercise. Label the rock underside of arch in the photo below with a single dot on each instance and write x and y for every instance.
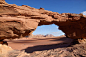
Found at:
(20, 21)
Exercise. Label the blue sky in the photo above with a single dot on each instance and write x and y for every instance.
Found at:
(60, 6)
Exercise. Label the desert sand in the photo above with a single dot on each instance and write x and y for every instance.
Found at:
(36, 44)
(46, 47)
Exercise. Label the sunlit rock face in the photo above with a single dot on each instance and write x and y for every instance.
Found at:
(2, 2)
(20, 21)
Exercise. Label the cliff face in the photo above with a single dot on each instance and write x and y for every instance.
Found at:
(20, 21)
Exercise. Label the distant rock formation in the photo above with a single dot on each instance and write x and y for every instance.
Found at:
(49, 35)
(39, 35)
(20, 21)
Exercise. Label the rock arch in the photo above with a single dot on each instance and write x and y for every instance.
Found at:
(20, 21)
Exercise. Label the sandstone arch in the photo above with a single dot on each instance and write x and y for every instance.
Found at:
(20, 21)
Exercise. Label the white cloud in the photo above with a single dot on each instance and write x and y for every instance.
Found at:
(58, 33)
(56, 27)
(54, 32)
(84, 12)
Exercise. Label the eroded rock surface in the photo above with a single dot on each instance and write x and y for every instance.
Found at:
(78, 50)
(6, 51)
(20, 21)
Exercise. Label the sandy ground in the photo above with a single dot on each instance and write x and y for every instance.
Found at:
(37, 44)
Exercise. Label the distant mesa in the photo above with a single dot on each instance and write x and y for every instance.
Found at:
(49, 35)
(40, 35)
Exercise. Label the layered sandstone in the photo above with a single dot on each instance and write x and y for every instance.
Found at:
(20, 21)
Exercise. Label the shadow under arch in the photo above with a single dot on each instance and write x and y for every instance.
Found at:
(65, 43)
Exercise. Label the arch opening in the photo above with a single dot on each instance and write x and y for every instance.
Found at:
(50, 29)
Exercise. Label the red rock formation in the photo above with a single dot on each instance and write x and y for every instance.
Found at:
(20, 21)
